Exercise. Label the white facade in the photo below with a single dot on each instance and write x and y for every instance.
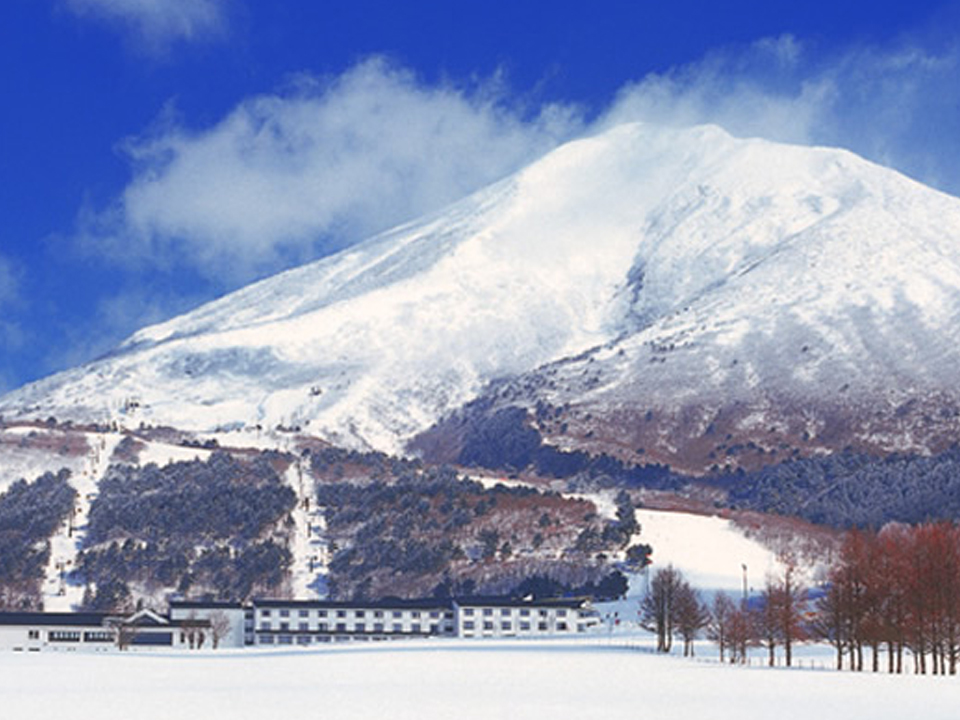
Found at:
(477, 619)
(32, 632)
(192, 625)
(227, 620)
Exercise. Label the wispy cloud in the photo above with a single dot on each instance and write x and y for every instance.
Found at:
(893, 104)
(286, 177)
(158, 22)
(11, 331)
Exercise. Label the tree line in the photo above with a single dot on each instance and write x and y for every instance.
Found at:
(888, 595)
(892, 592)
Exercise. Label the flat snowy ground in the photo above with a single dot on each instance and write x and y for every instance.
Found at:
(453, 680)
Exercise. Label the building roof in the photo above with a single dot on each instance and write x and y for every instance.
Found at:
(53, 618)
(384, 604)
(508, 602)
(205, 605)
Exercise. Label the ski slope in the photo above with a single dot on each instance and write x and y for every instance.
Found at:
(710, 551)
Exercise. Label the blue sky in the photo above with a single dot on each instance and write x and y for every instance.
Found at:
(158, 153)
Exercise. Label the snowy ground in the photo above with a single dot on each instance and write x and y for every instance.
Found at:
(451, 679)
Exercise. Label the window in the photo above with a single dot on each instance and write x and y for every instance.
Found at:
(284, 626)
(341, 613)
(322, 627)
(303, 627)
(468, 611)
(562, 626)
(360, 614)
(266, 625)
(434, 629)
(341, 627)
(487, 612)
(284, 613)
(543, 613)
(33, 634)
(397, 627)
(506, 625)
(303, 639)
(397, 614)
(304, 613)
(321, 613)
(524, 613)
(487, 625)
(561, 613)
(415, 613)
(434, 614)
(285, 640)
(378, 613)
(378, 627)
(360, 627)
(98, 636)
(264, 613)
(415, 627)
(542, 626)
(468, 625)
(524, 625)
(266, 639)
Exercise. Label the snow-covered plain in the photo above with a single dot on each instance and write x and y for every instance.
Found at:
(423, 680)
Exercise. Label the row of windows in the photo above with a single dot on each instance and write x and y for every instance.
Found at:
(507, 626)
(267, 626)
(285, 613)
(507, 612)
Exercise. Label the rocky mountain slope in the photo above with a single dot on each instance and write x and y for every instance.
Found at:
(671, 296)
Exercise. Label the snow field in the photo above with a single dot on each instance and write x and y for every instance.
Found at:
(424, 680)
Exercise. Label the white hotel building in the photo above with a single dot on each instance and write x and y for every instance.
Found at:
(271, 622)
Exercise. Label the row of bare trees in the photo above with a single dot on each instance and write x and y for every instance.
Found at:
(673, 608)
(889, 593)
(893, 592)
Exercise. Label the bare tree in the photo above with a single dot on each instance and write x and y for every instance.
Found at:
(721, 617)
(219, 627)
(657, 609)
(791, 600)
(691, 615)
(768, 620)
(742, 634)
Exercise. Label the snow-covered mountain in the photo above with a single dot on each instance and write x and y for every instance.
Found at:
(672, 295)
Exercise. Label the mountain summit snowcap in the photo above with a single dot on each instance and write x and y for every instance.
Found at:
(698, 270)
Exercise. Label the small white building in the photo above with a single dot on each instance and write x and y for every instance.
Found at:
(35, 631)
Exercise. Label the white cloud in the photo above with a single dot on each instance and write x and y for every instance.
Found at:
(285, 177)
(158, 22)
(895, 105)
(11, 332)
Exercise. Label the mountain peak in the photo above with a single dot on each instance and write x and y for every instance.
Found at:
(772, 274)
